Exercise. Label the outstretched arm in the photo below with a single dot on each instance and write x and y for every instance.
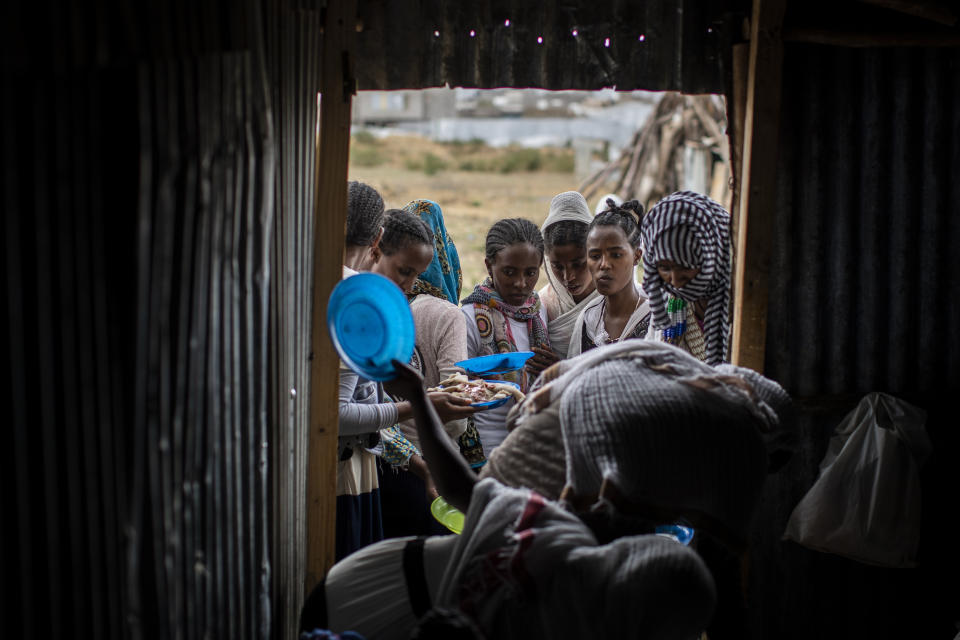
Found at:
(451, 473)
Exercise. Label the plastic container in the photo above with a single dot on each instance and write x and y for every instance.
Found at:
(495, 363)
(370, 324)
(447, 515)
(678, 532)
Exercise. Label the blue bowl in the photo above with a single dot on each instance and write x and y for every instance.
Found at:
(370, 324)
(490, 404)
(495, 363)
(678, 532)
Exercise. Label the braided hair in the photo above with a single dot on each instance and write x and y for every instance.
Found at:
(364, 214)
(402, 229)
(511, 231)
(627, 216)
(565, 232)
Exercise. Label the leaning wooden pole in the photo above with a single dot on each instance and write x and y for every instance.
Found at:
(329, 219)
(758, 184)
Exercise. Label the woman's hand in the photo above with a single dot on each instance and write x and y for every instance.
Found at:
(419, 467)
(450, 407)
(543, 359)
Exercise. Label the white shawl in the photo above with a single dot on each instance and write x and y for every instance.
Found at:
(591, 313)
(561, 309)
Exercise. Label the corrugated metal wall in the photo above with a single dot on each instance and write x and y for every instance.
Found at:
(866, 289)
(659, 45)
(864, 296)
(294, 40)
(156, 268)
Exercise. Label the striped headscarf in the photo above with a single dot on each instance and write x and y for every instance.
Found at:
(442, 278)
(694, 231)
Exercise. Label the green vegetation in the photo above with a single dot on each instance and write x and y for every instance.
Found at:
(433, 164)
(363, 156)
(473, 155)
(364, 137)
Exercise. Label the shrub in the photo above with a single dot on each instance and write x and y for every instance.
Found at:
(521, 160)
(365, 137)
(366, 157)
(433, 164)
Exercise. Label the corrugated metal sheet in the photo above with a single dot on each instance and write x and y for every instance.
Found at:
(865, 287)
(863, 297)
(579, 44)
(294, 41)
(148, 204)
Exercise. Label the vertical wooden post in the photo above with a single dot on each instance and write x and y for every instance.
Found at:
(330, 207)
(758, 184)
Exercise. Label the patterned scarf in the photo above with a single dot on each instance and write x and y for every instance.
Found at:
(491, 313)
(443, 278)
(694, 231)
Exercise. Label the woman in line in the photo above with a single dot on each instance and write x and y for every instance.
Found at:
(364, 227)
(366, 415)
(504, 314)
(406, 488)
(570, 285)
(613, 250)
(526, 567)
(687, 274)
(358, 521)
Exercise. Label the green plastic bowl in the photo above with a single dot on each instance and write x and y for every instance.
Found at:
(447, 515)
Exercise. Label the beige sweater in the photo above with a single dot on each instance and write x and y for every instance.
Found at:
(441, 340)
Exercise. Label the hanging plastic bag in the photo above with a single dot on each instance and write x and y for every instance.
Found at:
(866, 503)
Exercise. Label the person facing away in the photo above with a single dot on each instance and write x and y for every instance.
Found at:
(686, 274)
(527, 567)
(621, 311)
(570, 285)
(503, 313)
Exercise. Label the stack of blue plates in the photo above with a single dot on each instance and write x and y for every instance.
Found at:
(370, 324)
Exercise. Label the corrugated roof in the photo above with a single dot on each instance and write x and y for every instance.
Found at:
(656, 45)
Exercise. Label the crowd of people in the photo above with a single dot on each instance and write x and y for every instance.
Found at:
(631, 419)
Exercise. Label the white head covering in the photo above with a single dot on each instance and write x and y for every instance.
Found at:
(602, 203)
(563, 311)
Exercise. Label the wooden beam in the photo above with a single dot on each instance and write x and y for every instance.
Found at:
(939, 12)
(329, 220)
(758, 184)
(838, 38)
(736, 120)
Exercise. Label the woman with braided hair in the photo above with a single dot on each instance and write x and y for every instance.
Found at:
(686, 273)
(409, 238)
(367, 416)
(613, 250)
(504, 314)
(364, 227)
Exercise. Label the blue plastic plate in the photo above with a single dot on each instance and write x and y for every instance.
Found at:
(678, 532)
(490, 404)
(495, 363)
(370, 324)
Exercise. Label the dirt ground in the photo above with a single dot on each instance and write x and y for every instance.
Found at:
(471, 200)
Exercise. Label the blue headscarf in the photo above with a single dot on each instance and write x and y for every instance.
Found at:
(442, 278)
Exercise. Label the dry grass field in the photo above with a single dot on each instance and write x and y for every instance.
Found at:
(473, 184)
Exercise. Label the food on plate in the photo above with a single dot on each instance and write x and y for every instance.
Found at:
(478, 390)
